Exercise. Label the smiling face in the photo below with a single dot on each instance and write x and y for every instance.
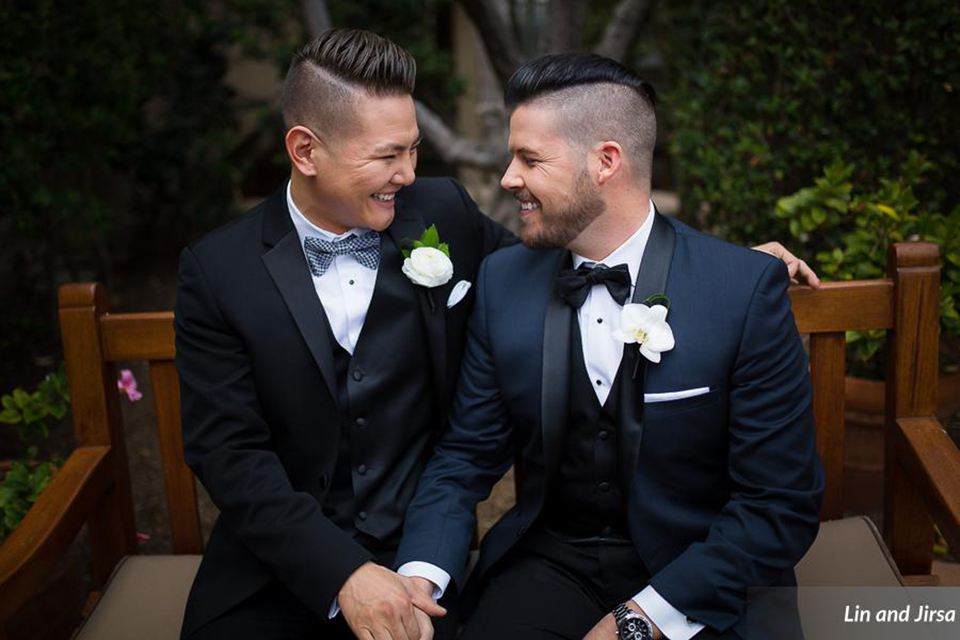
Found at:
(549, 179)
(357, 174)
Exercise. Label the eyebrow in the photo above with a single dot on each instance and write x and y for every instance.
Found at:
(523, 151)
(396, 147)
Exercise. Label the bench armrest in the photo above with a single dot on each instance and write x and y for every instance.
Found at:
(51, 524)
(932, 462)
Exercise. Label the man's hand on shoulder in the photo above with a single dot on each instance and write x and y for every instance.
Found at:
(606, 629)
(799, 272)
(377, 603)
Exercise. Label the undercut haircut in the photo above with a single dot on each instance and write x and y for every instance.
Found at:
(595, 99)
(335, 71)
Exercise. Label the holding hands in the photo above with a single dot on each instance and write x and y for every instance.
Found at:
(378, 604)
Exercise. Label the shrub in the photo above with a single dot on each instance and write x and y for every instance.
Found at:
(765, 93)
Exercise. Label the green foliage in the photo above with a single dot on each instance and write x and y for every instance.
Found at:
(765, 93)
(19, 489)
(119, 133)
(849, 229)
(31, 411)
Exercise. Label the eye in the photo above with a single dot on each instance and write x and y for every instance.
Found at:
(389, 157)
(530, 162)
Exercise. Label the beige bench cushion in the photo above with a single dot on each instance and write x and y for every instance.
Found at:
(848, 553)
(144, 599)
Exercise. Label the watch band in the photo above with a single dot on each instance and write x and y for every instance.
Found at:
(632, 625)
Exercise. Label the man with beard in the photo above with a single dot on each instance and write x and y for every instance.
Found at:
(648, 380)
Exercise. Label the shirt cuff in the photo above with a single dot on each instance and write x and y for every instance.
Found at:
(334, 609)
(431, 572)
(673, 624)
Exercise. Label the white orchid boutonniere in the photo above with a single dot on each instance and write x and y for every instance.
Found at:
(428, 263)
(646, 326)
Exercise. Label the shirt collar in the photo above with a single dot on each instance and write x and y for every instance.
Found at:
(305, 228)
(630, 252)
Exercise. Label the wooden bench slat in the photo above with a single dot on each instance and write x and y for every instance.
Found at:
(932, 462)
(843, 306)
(180, 485)
(50, 526)
(827, 359)
(138, 336)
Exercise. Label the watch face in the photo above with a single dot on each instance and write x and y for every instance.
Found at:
(635, 629)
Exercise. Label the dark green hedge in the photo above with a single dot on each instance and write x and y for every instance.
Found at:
(765, 94)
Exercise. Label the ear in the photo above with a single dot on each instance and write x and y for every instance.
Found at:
(301, 145)
(609, 158)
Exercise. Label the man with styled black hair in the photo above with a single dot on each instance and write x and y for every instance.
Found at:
(317, 364)
(647, 378)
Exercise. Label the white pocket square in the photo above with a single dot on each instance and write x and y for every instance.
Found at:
(459, 292)
(667, 396)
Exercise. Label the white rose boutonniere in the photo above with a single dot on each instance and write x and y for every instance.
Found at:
(428, 263)
(646, 326)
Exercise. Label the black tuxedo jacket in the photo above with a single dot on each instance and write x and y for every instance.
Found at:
(724, 487)
(259, 391)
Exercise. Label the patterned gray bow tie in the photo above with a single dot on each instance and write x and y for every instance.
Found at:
(320, 252)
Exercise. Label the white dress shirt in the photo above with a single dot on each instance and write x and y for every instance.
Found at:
(602, 354)
(345, 289)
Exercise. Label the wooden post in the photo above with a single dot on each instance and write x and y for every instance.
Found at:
(827, 360)
(97, 421)
(912, 362)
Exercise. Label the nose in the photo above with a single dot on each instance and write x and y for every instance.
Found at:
(406, 172)
(511, 180)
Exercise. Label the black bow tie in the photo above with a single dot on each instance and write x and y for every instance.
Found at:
(574, 284)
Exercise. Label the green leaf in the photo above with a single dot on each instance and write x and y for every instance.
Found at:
(657, 299)
(445, 248)
(417, 244)
(21, 397)
(406, 253)
(431, 237)
(10, 416)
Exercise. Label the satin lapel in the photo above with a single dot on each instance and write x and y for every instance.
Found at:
(408, 225)
(288, 268)
(652, 279)
(555, 386)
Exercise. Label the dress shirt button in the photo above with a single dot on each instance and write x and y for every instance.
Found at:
(360, 422)
(362, 469)
(599, 320)
(604, 434)
(362, 515)
(604, 486)
(599, 382)
(351, 282)
(357, 375)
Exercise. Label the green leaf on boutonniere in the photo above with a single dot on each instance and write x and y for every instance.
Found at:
(657, 299)
(429, 238)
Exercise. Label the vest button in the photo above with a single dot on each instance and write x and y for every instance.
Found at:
(604, 434)
(606, 531)
(604, 486)
(362, 515)
(362, 469)
(521, 530)
(357, 375)
(360, 422)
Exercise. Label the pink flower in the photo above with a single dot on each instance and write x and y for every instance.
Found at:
(142, 537)
(128, 384)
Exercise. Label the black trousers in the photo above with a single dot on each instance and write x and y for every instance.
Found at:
(551, 586)
(275, 613)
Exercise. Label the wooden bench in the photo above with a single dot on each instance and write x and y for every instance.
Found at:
(143, 596)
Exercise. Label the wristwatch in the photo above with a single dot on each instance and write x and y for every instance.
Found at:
(632, 625)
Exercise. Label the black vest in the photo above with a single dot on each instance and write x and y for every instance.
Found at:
(586, 497)
(387, 408)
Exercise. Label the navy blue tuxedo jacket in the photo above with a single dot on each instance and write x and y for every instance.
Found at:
(724, 488)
